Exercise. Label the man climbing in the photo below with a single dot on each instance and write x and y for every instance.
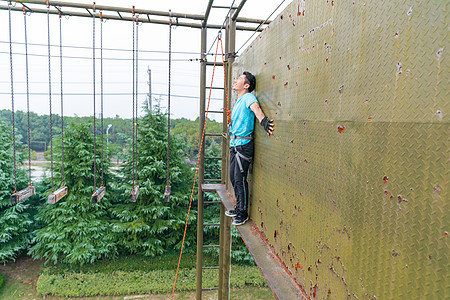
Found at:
(241, 142)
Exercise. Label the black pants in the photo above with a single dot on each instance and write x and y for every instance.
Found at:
(238, 177)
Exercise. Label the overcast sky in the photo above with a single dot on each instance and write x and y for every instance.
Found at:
(117, 65)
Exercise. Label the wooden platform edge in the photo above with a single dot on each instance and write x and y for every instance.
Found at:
(279, 281)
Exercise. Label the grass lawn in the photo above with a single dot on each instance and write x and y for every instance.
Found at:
(22, 276)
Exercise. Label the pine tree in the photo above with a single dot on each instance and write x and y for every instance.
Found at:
(75, 230)
(15, 220)
(152, 226)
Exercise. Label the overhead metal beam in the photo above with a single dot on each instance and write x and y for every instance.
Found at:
(147, 12)
(249, 20)
(224, 7)
(208, 10)
(105, 16)
(119, 17)
(113, 8)
(238, 10)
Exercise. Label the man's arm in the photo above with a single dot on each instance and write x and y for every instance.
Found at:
(262, 118)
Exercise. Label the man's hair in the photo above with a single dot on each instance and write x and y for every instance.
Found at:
(251, 80)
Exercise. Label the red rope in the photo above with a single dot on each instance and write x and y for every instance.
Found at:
(196, 171)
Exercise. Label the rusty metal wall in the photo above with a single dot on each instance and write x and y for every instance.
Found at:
(353, 190)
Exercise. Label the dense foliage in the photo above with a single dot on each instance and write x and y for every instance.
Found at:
(40, 129)
(151, 226)
(189, 131)
(15, 220)
(74, 229)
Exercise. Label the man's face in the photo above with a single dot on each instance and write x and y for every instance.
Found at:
(241, 84)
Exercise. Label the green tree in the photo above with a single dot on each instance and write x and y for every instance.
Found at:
(152, 226)
(40, 129)
(15, 220)
(75, 230)
(189, 131)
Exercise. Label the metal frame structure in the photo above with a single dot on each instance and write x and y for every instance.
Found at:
(262, 255)
(125, 14)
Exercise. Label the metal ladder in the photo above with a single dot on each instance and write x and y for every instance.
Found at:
(224, 245)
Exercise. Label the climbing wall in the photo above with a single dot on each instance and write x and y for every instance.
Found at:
(352, 191)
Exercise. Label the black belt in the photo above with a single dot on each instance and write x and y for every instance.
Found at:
(248, 137)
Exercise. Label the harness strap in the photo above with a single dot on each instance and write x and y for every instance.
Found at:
(238, 158)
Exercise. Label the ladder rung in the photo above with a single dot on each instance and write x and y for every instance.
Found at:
(213, 134)
(215, 111)
(210, 289)
(211, 246)
(212, 180)
(211, 224)
(212, 202)
(211, 63)
(215, 268)
(214, 88)
(213, 157)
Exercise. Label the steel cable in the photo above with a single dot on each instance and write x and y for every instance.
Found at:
(101, 88)
(50, 97)
(28, 96)
(106, 49)
(137, 103)
(12, 98)
(168, 104)
(93, 74)
(62, 102)
(133, 167)
(106, 58)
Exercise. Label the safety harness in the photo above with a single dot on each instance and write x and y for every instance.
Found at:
(239, 155)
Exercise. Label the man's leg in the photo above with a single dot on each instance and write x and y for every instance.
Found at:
(233, 167)
(241, 184)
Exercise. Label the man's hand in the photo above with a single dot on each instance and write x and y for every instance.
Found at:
(267, 125)
(264, 121)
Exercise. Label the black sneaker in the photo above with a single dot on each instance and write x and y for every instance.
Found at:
(240, 219)
(232, 213)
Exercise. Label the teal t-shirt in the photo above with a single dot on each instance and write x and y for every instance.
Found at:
(242, 119)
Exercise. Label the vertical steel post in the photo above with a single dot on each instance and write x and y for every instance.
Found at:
(225, 232)
(225, 138)
(221, 250)
(223, 268)
(201, 166)
(226, 261)
(230, 46)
